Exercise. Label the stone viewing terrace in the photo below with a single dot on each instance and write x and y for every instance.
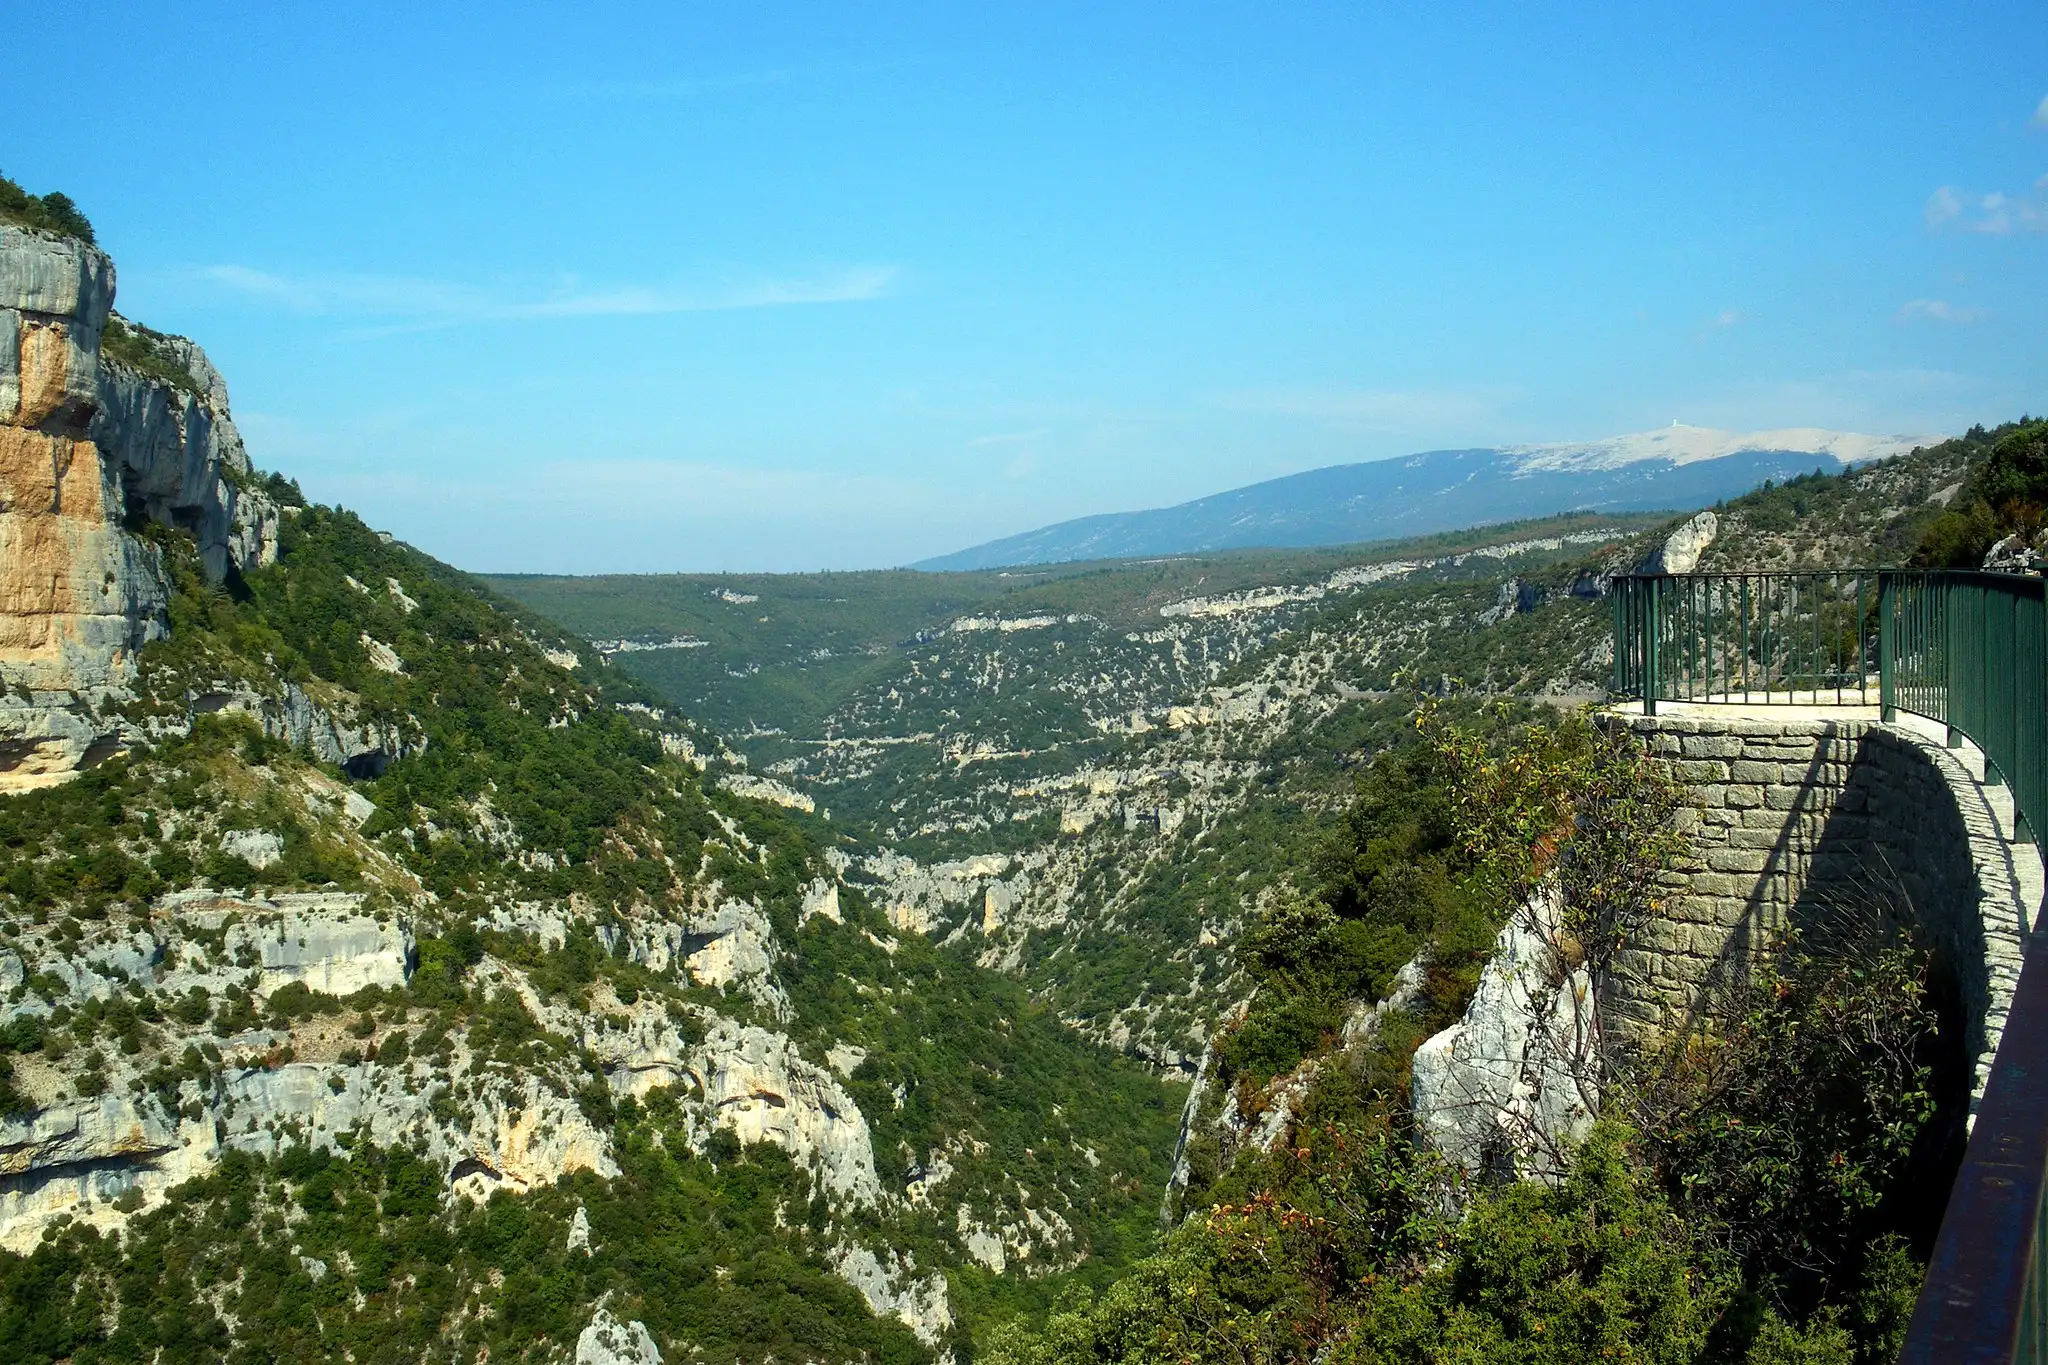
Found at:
(1869, 742)
(1796, 810)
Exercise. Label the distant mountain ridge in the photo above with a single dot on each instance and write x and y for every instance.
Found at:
(1676, 467)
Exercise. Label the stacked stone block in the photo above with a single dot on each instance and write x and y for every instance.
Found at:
(1801, 821)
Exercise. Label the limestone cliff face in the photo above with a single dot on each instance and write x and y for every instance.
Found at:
(87, 443)
(90, 446)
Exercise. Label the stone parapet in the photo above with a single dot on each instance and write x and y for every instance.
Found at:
(1792, 819)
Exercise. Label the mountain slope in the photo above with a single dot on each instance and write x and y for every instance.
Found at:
(1679, 467)
(385, 977)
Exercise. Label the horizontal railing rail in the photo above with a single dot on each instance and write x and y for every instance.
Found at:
(1969, 650)
(1791, 638)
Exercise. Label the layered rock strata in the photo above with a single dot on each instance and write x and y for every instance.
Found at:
(92, 449)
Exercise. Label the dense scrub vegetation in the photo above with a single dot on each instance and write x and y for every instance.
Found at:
(1752, 1196)
(2006, 495)
(318, 1255)
(52, 212)
(150, 352)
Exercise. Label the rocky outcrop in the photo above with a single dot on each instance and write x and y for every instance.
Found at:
(1512, 1088)
(1681, 550)
(756, 1086)
(86, 1161)
(607, 1341)
(49, 738)
(326, 946)
(895, 1288)
(2014, 554)
(767, 789)
(89, 446)
(328, 728)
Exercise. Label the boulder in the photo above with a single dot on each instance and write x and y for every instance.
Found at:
(607, 1341)
(1681, 550)
(2014, 555)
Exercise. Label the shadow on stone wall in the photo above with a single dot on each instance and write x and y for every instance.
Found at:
(1827, 827)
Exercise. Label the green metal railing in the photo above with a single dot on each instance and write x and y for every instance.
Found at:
(1969, 650)
(1800, 638)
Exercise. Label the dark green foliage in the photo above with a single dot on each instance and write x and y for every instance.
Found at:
(1793, 1121)
(2007, 494)
(1356, 1259)
(52, 212)
(697, 1253)
(151, 353)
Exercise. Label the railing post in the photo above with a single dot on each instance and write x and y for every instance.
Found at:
(1651, 603)
(1887, 647)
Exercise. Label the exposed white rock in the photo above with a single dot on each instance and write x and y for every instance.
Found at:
(1681, 550)
(257, 847)
(398, 596)
(1513, 1085)
(607, 1341)
(895, 1288)
(821, 899)
(729, 946)
(756, 1085)
(74, 1160)
(516, 1135)
(327, 943)
(843, 1058)
(353, 806)
(329, 728)
(920, 899)
(981, 1244)
(383, 657)
(579, 1231)
(767, 789)
(2014, 555)
(42, 745)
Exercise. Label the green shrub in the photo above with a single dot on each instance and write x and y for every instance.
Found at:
(52, 212)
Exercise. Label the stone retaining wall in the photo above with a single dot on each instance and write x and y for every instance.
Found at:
(1796, 819)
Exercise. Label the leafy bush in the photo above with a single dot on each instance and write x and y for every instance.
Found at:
(149, 352)
(52, 212)
(2006, 494)
(1791, 1122)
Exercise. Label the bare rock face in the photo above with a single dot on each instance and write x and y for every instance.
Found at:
(327, 945)
(86, 444)
(754, 1084)
(607, 1341)
(894, 1287)
(1512, 1088)
(1681, 550)
(74, 1161)
(2014, 555)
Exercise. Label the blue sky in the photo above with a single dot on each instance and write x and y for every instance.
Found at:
(671, 287)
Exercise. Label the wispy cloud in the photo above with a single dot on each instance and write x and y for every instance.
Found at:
(1939, 310)
(1994, 214)
(2041, 113)
(407, 304)
(1720, 322)
(1007, 438)
(1398, 409)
